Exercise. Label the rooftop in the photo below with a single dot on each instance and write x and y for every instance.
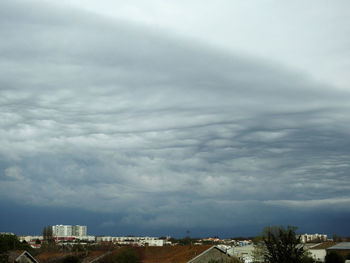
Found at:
(341, 246)
(324, 245)
(170, 254)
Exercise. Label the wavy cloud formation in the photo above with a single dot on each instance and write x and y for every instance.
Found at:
(114, 118)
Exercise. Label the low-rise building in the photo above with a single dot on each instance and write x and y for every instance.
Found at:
(342, 248)
(244, 253)
(132, 241)
(318, 251)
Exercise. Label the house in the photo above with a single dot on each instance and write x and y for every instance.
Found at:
(21, 257)
(244, 253)
(212, 254)
(318, 251)
(342, 248)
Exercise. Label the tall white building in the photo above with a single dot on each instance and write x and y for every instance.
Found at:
(69, 231)
(62, 230)
(313, 238)
(79, 231)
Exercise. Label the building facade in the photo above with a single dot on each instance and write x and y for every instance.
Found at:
(69, 231)
(313, 238)
(79, 231)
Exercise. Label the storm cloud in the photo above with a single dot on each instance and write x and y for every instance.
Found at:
(156, 130)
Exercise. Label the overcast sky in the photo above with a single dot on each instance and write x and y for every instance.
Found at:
(160, 117)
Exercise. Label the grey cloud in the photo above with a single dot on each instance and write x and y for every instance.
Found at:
(111, 117)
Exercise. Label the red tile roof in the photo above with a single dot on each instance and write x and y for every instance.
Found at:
(170, 254)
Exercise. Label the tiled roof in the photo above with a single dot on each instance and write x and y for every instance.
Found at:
(50, 255)
(170, 254)
(93, 255)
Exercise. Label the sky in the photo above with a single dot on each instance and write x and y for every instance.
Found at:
(175, 117)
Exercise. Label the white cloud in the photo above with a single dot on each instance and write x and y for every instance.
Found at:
(14, 173)
(329, 203)
(308, 36)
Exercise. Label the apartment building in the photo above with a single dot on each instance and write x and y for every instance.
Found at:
(69, 231)
(313, 238)
(79, 231)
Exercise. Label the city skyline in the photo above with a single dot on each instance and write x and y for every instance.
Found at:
(80, 232)
(158, 118)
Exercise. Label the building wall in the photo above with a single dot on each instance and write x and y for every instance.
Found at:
(343, 252)
(68, 230)
(62, 230)
(79, 231)
(318, 254)
(152, 242)
(312, 237)
(243, 251)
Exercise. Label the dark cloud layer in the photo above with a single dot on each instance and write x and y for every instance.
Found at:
(159, 132)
